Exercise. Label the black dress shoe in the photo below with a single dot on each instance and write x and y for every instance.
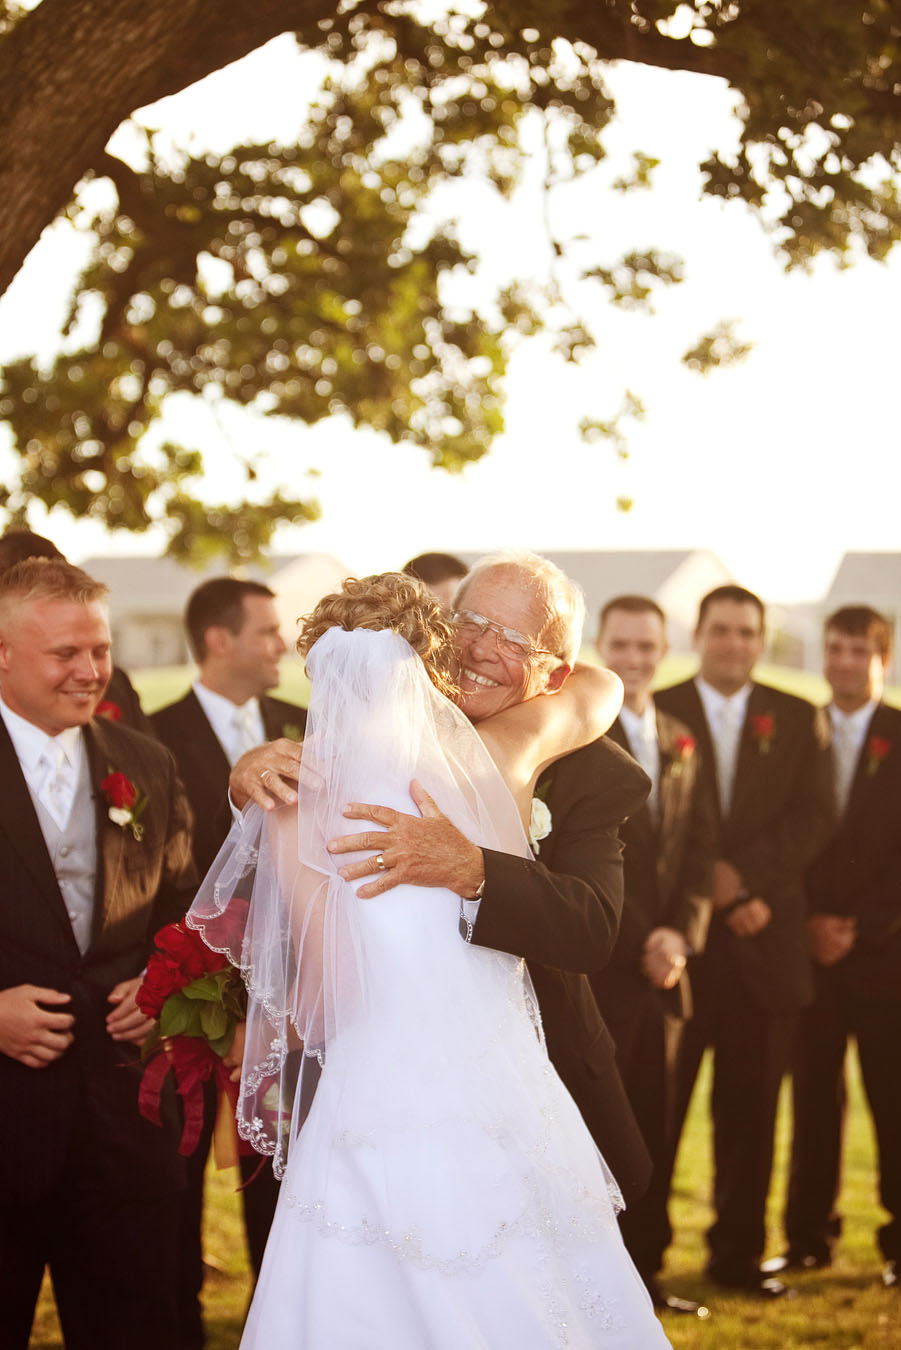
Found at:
(794, 1259)
(753, 1282)
(891, 1275)
(671, 1303)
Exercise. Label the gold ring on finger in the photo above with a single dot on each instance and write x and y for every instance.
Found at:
(380, 862)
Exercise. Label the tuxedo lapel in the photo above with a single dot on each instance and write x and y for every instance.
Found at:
(641, 822)
(206, 752)
(110, 838)
(19, 820)
(752, 760)
(865, 783)
(671, 770)
(690, 710)
(276, 724)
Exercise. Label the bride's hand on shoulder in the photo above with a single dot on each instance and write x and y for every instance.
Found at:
(267, 775)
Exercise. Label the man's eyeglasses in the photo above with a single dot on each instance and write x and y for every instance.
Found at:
(472, 626)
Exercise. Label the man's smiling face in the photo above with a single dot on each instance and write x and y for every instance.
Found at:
(55, 662)
(491, 677)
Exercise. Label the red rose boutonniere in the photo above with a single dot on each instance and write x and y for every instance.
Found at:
(111, 711)
(877, 749)
(683, 750)
(763, 728)
(126, 805)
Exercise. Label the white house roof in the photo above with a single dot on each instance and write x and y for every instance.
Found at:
(867, 578)
(156, 586)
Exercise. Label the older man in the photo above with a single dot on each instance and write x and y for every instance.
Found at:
(518, 624)
(95, 856)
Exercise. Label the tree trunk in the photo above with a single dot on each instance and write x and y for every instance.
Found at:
(72, 70)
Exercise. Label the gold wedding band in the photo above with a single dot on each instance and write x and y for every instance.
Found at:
(264, 775)
(380, 862)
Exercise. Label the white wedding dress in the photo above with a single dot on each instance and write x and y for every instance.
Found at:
(443, 1192)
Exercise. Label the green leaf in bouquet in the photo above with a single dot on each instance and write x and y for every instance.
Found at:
(213, 1020)
(206, 987)
(223, 1044)
(180, 1017)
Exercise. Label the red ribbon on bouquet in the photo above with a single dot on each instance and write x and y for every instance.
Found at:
(192, 1063)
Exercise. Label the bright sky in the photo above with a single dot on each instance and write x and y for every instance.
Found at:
(778, 465)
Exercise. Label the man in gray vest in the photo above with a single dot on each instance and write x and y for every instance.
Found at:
(95, 857)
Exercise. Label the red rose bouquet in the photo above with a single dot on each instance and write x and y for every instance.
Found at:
(196, 997)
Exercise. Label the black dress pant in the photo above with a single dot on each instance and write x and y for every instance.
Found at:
(111, 1257)
(751, 1053)
(258, 1198)
(647, 1039)
(843, 1008)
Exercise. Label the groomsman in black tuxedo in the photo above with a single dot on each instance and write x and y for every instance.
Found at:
(854, 930)
(120, 702)
(669, 851)
(95, 857)
(234, 633)
(764, 758)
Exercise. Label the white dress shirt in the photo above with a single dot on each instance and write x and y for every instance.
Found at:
(51, 765)
(238, 727)
(725, 718)
(641, 731)
(848, 734)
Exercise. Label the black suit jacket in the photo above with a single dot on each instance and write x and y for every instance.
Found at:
(139, 887)
(858, 873)
(122, 694)
(561, 912)
(780, 814)
(203, 765)
(668, 871)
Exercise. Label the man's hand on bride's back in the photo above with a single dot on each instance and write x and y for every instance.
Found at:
(267, 775)
(424, 850)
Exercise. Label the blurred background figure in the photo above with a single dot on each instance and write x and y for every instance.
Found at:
(120, 702)
(669, 849)
(233, 631)
(766, 767)
(441, 572)
(854, 931)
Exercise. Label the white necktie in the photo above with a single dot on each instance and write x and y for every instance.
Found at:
(845, 752)
(57, 790)
(725, 745)
(246, 730)
(648, 756)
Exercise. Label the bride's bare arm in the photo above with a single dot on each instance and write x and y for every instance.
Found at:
(525, 739)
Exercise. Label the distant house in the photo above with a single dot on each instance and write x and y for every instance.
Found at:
(148, 598)
(675, 578)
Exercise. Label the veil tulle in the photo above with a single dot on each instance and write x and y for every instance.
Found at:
(317, 965)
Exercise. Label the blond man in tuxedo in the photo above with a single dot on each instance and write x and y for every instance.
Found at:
(95, 856)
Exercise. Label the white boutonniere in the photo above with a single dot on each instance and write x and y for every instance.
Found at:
(539, 822)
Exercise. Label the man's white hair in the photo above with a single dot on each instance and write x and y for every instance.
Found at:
(561, 596)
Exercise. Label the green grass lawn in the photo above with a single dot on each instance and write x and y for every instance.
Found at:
(841, 1308)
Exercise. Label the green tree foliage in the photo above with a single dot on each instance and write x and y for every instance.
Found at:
(312, 279)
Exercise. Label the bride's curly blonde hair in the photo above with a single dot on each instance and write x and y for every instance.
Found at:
(390, 600)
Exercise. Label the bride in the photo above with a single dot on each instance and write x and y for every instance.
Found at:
(441, 1191)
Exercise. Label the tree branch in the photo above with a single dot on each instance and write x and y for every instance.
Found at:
(72, 70)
